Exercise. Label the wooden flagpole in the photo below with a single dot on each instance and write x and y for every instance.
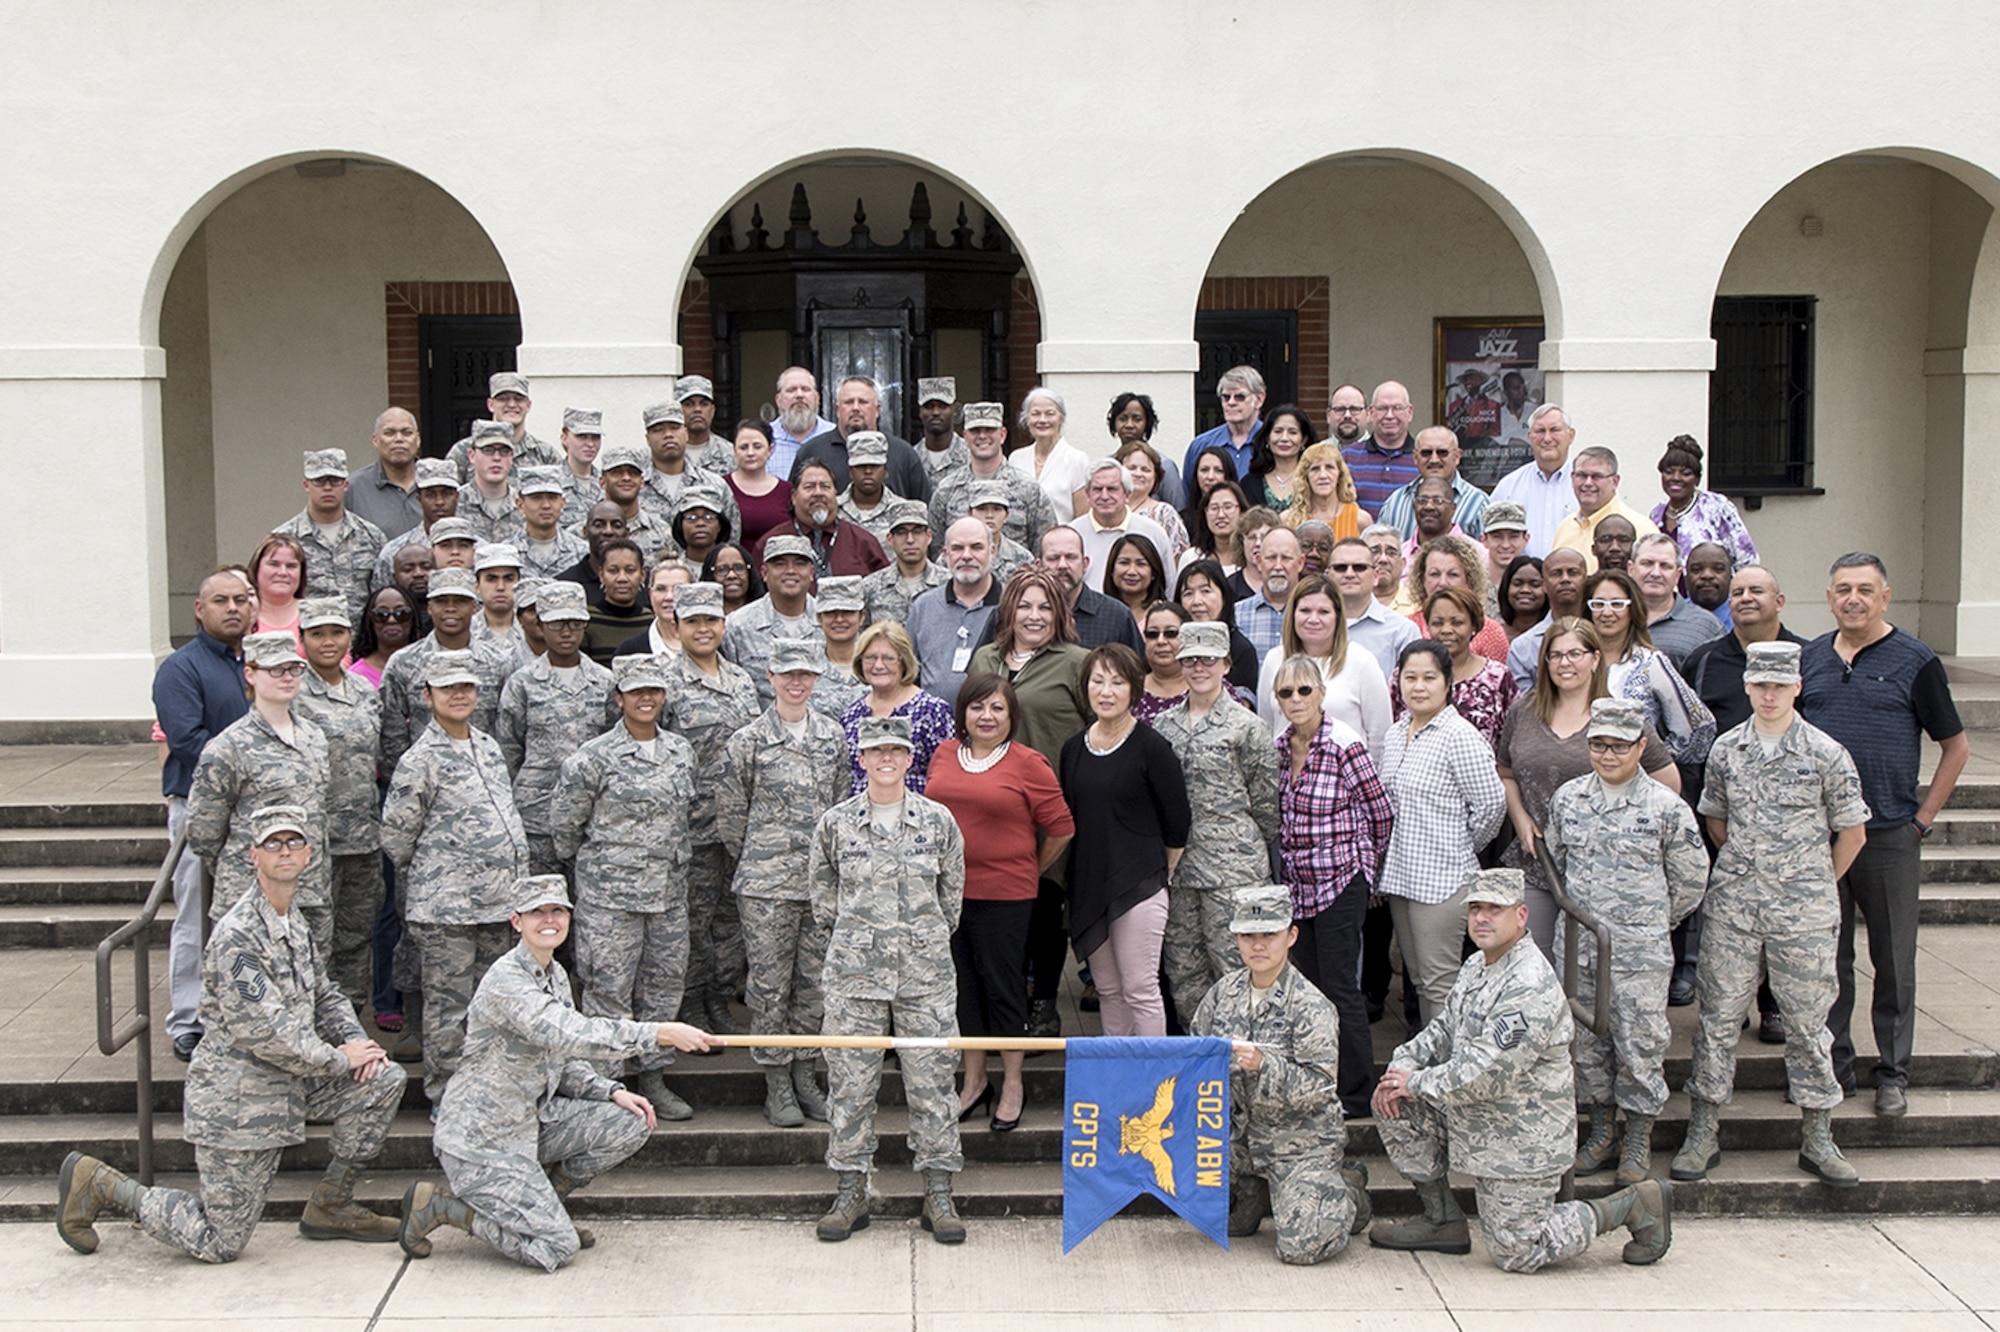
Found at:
(797, 1042)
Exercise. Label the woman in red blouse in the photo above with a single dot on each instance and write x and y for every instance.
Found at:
(1016, 824)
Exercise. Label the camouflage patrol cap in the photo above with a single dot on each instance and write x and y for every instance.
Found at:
(1505, 516)
(271, 820)
(316, 611)
(528, 591)
(661, 412)
(1498, 887)
(453, 667)
(701, 495)
(539, 890)
(506, 381)
(797, 654)
(492, 434)
(451, 583)
(985, 416)
(841, 593)
(624, 455)
(908, 513)
(436, 472)
(879, 731)
(559, 600)
(937, 388)
(867, 448)
(1204, 638)
(453, 529)
(539, 481)
(778, 546)
(637, 670)
(495, 555)
(1265, 909)
(583, 421)
(1771, 663)
(693, 386)
(267, 650)
(326, 462)
(987, 490)
(694, 599)
(1616, 719)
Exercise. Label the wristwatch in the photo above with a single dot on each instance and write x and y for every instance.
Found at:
(1923, 829)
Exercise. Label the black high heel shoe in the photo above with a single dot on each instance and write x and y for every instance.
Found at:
(973, 1109)
(999, 1125)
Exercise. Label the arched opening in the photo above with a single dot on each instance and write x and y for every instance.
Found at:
(1371, 267)
(301, 304)
(859, 264)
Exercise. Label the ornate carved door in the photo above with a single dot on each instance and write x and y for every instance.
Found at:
(1265, 339)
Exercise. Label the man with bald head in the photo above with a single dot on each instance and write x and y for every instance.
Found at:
(1384, 462)
(1438, 456)
(1563, 573)
(385, 491)
(947, 622)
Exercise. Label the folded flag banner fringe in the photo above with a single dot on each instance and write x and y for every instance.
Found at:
(1146, 1114)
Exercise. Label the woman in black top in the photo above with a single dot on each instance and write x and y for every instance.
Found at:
(1126, 792)
(1204, 589)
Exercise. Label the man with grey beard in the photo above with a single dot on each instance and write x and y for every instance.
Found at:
(797, 401)
(948, 622)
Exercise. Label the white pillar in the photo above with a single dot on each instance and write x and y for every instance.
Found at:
(1090, 374)
(1631, 396)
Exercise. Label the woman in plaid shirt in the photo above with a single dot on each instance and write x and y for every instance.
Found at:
(1334, 822)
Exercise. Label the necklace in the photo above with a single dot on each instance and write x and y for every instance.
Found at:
(1683, 507)
(971, 764)
(1100, 748)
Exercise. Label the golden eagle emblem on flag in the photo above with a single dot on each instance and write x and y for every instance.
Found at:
(1145, 1135)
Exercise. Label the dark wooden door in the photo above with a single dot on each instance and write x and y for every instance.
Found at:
(1265, 339)
(458, 354)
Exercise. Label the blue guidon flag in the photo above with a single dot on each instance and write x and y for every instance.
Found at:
(1146, 1114)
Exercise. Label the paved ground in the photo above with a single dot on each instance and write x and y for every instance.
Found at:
(1903, 1273)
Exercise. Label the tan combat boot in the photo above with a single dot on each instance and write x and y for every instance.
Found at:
(565, 1184)
(653, 1086)
(1819, 1156)
(781, 1103)
(426, 1206)
(805, 1086)
(332, 1213)
(1600, 1146)
(1647, 1210)
(1355, 1174)
(1700, 1152)
(1635, 1162)
(1439, 1228)
(87, 1188)
(850, 1208)
(940, 1217)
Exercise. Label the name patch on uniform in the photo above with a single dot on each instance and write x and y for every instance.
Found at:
(249, 978)
(1510, 1028)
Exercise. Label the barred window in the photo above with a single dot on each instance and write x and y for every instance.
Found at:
(1760, 398)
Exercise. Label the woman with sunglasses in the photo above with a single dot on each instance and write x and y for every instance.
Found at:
(388, 625)
(1636, 670)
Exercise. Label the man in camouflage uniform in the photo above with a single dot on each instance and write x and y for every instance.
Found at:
(508, 403)
(450, 829)
(1628, 849)
(547, 547)
(991, 504)
(840, 608)
(1783, 802)
(496, 573)
(454, 543)
(695, 396)
(622, 470)
(548, 709)
(1029, 513)
(437, 496)
(786, 610)
(942, 448)
(621, 813)
(888, 879)
(453, 602)
(779, 774)
(1287, 1135)
(865, 502)
(348, 712)
(1487, 1089)
(1232, 786)
(528, 1119)
(709, 699)
(266, 757)
(340, 546)
(673, 470)
(488, 500)
(889, 592)
(282, 1049)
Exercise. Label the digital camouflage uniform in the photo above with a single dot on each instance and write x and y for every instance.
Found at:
(835, 693)
(451, 830)
(621, 811)
(543, 720)
(241, 771)
(941, 462)
(1773, 904)
(267, 1065)
(705, 711)
(1285, 1122)
(349, 715)
(659, 495)
(772, 789)
(1495, 1098)
(405, 711)
(1232, 786)
(493, 520)
(875, 521)
(891, 901)
(528, 452)
(889, 594)
(1633, 856)
(751, 631)
(340, 566)
(565, 551)
(1029, 513)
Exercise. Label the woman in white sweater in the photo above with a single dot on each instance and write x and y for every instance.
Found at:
(1356, 691)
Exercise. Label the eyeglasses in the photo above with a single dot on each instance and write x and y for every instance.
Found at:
(491, 449)
(1570, 654)
(1154, 635)
(1393, 409)
(1234, 397)
(1352, 568)
(291, 670)
(1609, 603)
(1301, 691)
(1346, 411)
(277, 844)
(1617, 747)
(1592, 477)
(1434, 453)
(381, 616)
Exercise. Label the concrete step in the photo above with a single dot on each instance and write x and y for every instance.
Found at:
(1961, 864)
(1968, 826)
(1959, 904)
(85, 814)
(70, 885)
(75, 925)
(125, 845)
(1971, 794)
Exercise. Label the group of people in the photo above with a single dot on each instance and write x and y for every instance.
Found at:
(711, 735)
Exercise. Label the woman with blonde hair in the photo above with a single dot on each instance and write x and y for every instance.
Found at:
(886, 662)
(1328, 494)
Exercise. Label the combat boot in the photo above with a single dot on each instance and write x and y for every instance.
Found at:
(781, 1103)
(1600, 1145)
(87, 1188)
(332, 1213)
(1439, 1228)
(1043, 1019)
(409, 1046)
(1249, 1204)
(850, 1208)
(1700, 1152)
(1355, 1173)
(1635, 1162)
(565, 1184)
(427, 1205)
(805, 1085)
(721, 1022)
(1645, 1209)
(1819, 1156)
(653, 1086)
(693, 1012)
(940, 1217)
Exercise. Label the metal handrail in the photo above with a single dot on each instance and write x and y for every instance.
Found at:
(1578, 917)
(112, 1039)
